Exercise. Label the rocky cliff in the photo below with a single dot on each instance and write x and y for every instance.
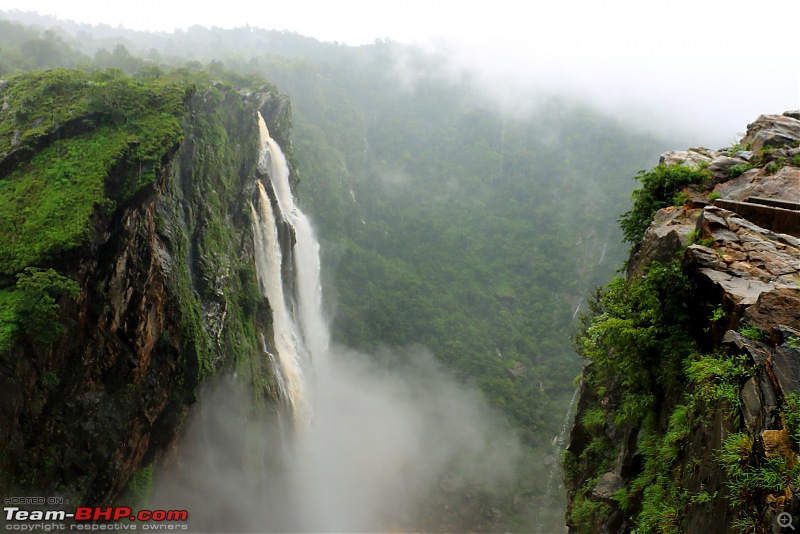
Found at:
(128, 277)
(688, 419)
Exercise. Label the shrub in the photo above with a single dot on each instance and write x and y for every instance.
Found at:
(751, 332)
(738, 170)
(638, 335)
(36, 307)
(659, 186)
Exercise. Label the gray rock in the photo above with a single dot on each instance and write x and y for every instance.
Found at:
(664, 238)
(720, 167)
(757, 183)
(774, 131)
(694, 157)
(607, 485)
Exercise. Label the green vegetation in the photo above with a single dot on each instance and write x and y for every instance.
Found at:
(31, 308)
(638, 339)
(717, 379)
(140, 486)
(714, 195)
(47, 204)
(752, 332)
(750, 479)
(83, 143)
(694, 238)
(659, 186)
(445, 222)
(774, 166)
(587, 513)
(737, 170)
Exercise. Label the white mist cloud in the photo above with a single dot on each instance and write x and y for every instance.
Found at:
(703, 68)
(388, 431)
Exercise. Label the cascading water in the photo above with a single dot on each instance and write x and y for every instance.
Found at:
(306, 248)
(268, 268)
(558, 444)
(386, 439)
(296, 346)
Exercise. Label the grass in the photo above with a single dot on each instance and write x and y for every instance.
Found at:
(46, 206)
(737, 170)
(751, 332)
(47, 202)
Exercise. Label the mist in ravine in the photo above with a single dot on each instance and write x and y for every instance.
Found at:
(390, 434)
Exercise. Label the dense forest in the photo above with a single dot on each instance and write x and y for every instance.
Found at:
(446, 221)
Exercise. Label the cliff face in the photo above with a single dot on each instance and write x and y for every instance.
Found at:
(166, 293)
(713, 446)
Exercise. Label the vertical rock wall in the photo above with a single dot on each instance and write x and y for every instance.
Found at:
(168, 298)
(744, 277)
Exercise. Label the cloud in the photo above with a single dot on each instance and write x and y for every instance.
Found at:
(388, 431)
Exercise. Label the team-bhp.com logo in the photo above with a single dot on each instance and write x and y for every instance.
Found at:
(88, 517)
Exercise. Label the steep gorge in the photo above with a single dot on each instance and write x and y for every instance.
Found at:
(687, 418)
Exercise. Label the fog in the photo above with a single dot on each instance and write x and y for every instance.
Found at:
(704, 69)
(388, 432)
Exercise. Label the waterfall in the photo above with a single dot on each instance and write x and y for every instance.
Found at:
(558, 443)
(301, 332)
(378, 441)
(306, 249)
(268, 268)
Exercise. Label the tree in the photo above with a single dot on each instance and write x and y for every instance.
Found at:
(35, 304)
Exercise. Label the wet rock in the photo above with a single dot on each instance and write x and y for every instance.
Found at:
(777, 444)
(772, 131)
(607, 485)
(779, 306)
(695, 158)
(664, 238)
(758, 183)
(758, 397)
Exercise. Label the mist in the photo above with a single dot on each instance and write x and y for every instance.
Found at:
(390, 432)
(702, 70)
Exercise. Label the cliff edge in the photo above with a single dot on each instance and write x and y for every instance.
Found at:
(689, 414)
(127, 277)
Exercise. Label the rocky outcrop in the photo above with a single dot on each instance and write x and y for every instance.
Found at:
(773, 131)
(740, 249)
(168, 298)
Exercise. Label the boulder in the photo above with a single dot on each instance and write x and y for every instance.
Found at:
(772, 131)
(780, 306)
(607, 485)
(720, 168)
(695, 157)
(758, 183)
(664, 238)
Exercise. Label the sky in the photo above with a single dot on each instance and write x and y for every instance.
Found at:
(707, 67)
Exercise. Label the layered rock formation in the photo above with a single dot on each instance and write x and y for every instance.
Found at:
(167, 298)
(738, 242)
